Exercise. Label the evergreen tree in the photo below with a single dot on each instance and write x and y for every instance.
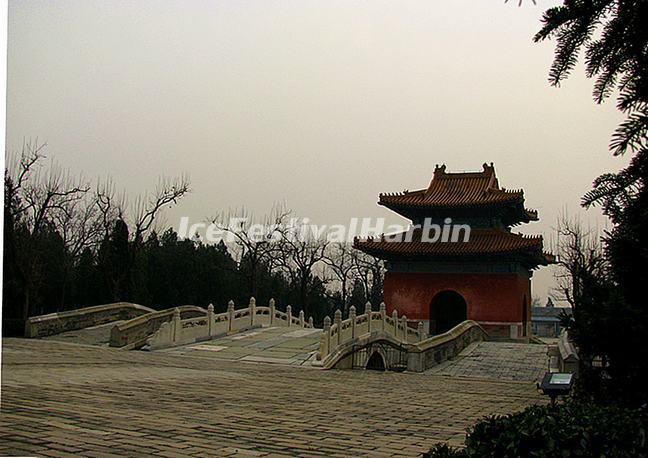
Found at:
(115, 261)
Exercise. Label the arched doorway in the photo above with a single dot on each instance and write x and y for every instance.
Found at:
(376, 362)
(447, 309)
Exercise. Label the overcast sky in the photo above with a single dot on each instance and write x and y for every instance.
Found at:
(321, 104)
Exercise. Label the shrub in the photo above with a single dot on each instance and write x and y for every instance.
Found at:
(444, 451)
(569, 429)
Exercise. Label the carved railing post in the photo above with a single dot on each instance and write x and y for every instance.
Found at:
(395, 321)
(252, 308)
(177, 325)
(352, 317)
(383, 314)
(421, 333)
(210, 320)
(230, 315)
(404, 324)
(325, 342)
(272, 311)
(289, 313)
(301, 319)
(368, 313)
(164, 334)
(337, 319)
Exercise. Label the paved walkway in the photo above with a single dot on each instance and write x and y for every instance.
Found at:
(65, 399)
(94, 335)
(497, 360)
(276, 345)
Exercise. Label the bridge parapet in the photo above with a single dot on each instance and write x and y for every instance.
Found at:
(568, 356)
(71, 320)
(134, 332)
(342, 331)
(398, 354)
(180, 331)
(442, 347)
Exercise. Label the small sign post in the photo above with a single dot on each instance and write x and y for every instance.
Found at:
(556, 384)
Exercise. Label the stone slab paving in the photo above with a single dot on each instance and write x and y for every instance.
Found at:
(276, 345)
(497, 360)
(63, 399)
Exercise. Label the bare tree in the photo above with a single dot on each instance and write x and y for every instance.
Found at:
(370, 271)
(148, 207)
(256, 241)
(18, 172)
(110, 205)
(114, 215)
(579, 254)
(298, 255)
(42, 199)
(80, 227)
(342, 259)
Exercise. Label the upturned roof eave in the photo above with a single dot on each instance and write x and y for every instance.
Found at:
(406, 209)
(529, 260)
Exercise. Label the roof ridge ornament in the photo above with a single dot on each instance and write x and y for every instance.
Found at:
(487, 167)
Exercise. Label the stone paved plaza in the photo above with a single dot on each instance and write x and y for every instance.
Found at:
(499, 360)
(63, 399)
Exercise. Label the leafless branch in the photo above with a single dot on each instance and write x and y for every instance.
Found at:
(147, 208)
(579, 252)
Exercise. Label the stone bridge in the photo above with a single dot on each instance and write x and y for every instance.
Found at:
(375, 340)
(180, 331)
(133, 326)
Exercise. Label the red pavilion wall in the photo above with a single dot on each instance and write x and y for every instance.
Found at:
(494, 300)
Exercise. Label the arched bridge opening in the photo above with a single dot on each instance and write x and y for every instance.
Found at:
(376, 362)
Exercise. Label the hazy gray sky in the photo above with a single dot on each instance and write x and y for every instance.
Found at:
(321, 104)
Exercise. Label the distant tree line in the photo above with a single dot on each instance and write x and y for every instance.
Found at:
(69, 245)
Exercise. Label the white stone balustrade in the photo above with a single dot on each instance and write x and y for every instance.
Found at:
(182, 332)
(342, 331)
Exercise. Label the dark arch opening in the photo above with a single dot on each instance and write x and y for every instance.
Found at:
(447, 309)
(376, 362)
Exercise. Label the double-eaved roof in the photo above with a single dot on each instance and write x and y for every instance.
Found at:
(470, 195)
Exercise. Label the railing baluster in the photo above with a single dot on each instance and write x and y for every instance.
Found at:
(177, 325)
(325, 345)
(337, 319)
(230, 315)
(252, 308)
(210, 320)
